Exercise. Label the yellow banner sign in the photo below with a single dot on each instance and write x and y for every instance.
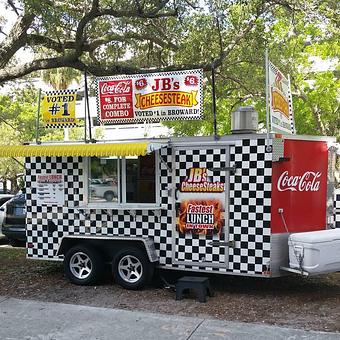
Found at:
(170, 98)
(280, 103)
(59, 109)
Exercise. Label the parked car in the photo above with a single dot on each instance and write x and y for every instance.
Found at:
(3, 203)
(4, 198)
(4, 192)
(14, 224)
(104, 189)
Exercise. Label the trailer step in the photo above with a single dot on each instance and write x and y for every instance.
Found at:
(295, 271)
(200, 285)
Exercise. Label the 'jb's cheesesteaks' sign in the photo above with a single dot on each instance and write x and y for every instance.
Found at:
(150, 97)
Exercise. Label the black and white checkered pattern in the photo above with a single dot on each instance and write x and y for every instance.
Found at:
(250, 201)
(47, 224)
(291, 112)
(337, 208)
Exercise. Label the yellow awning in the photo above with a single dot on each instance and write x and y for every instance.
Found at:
(123, 149)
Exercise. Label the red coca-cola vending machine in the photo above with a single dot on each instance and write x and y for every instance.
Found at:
(299, 191)
(302, 207)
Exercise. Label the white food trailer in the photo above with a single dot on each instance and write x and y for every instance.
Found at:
(244, 204)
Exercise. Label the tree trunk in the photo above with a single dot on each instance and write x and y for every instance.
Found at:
(14, 185)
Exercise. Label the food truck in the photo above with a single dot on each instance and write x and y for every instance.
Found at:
(249, 203)
(243, 204)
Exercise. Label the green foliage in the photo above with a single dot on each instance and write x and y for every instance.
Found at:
(73, 134)
(233, 33)
(18, 112)
(17, 125)
(293, 37)
(61, 78)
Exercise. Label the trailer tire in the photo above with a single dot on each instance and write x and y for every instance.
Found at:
(83, 265)
(132, 269)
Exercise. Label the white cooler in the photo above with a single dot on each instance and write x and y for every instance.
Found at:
(318, 252)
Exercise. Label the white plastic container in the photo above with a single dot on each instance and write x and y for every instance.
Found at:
(318, 252)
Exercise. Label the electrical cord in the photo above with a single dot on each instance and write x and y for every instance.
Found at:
(299, 257)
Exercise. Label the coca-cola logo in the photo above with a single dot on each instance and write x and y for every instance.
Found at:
(309, 181)
(121, 87)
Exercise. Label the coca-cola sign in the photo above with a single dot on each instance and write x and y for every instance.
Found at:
(116, 87)
(309, 181)
(115, 99)
(299, 189)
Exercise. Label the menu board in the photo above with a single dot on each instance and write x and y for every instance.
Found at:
(50, 189)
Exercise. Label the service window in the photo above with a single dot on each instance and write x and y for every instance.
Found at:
(103, 181)
(122, 180)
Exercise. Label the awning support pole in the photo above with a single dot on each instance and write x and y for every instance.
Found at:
(87, 106)
(214, 98)
(85, 125)
(37, 120)
(266, 65)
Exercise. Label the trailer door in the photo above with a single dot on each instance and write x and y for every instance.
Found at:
(201, 210)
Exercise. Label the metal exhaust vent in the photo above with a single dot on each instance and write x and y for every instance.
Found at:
(244, 120)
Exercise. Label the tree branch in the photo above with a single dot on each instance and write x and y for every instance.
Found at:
(239, 36)
(16, 38)
(14, 8)
(40, 40)
(60, 47)
(128, 36)
(15, 72)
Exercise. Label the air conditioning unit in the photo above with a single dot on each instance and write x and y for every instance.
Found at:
(244, 120)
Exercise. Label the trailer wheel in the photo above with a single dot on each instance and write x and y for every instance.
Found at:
(132, 269)
(83, 265)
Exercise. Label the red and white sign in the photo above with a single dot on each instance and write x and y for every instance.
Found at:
(300, 187)
(150, 97)
(309, 181)
(115, 99)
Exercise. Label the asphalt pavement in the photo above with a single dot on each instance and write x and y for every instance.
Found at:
(28, 320)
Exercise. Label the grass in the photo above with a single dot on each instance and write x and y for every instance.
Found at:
(12, 254)
(13, 262)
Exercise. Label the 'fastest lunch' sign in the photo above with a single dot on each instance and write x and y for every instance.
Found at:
(150, 97)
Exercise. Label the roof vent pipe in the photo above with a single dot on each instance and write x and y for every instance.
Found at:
(244, 120)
